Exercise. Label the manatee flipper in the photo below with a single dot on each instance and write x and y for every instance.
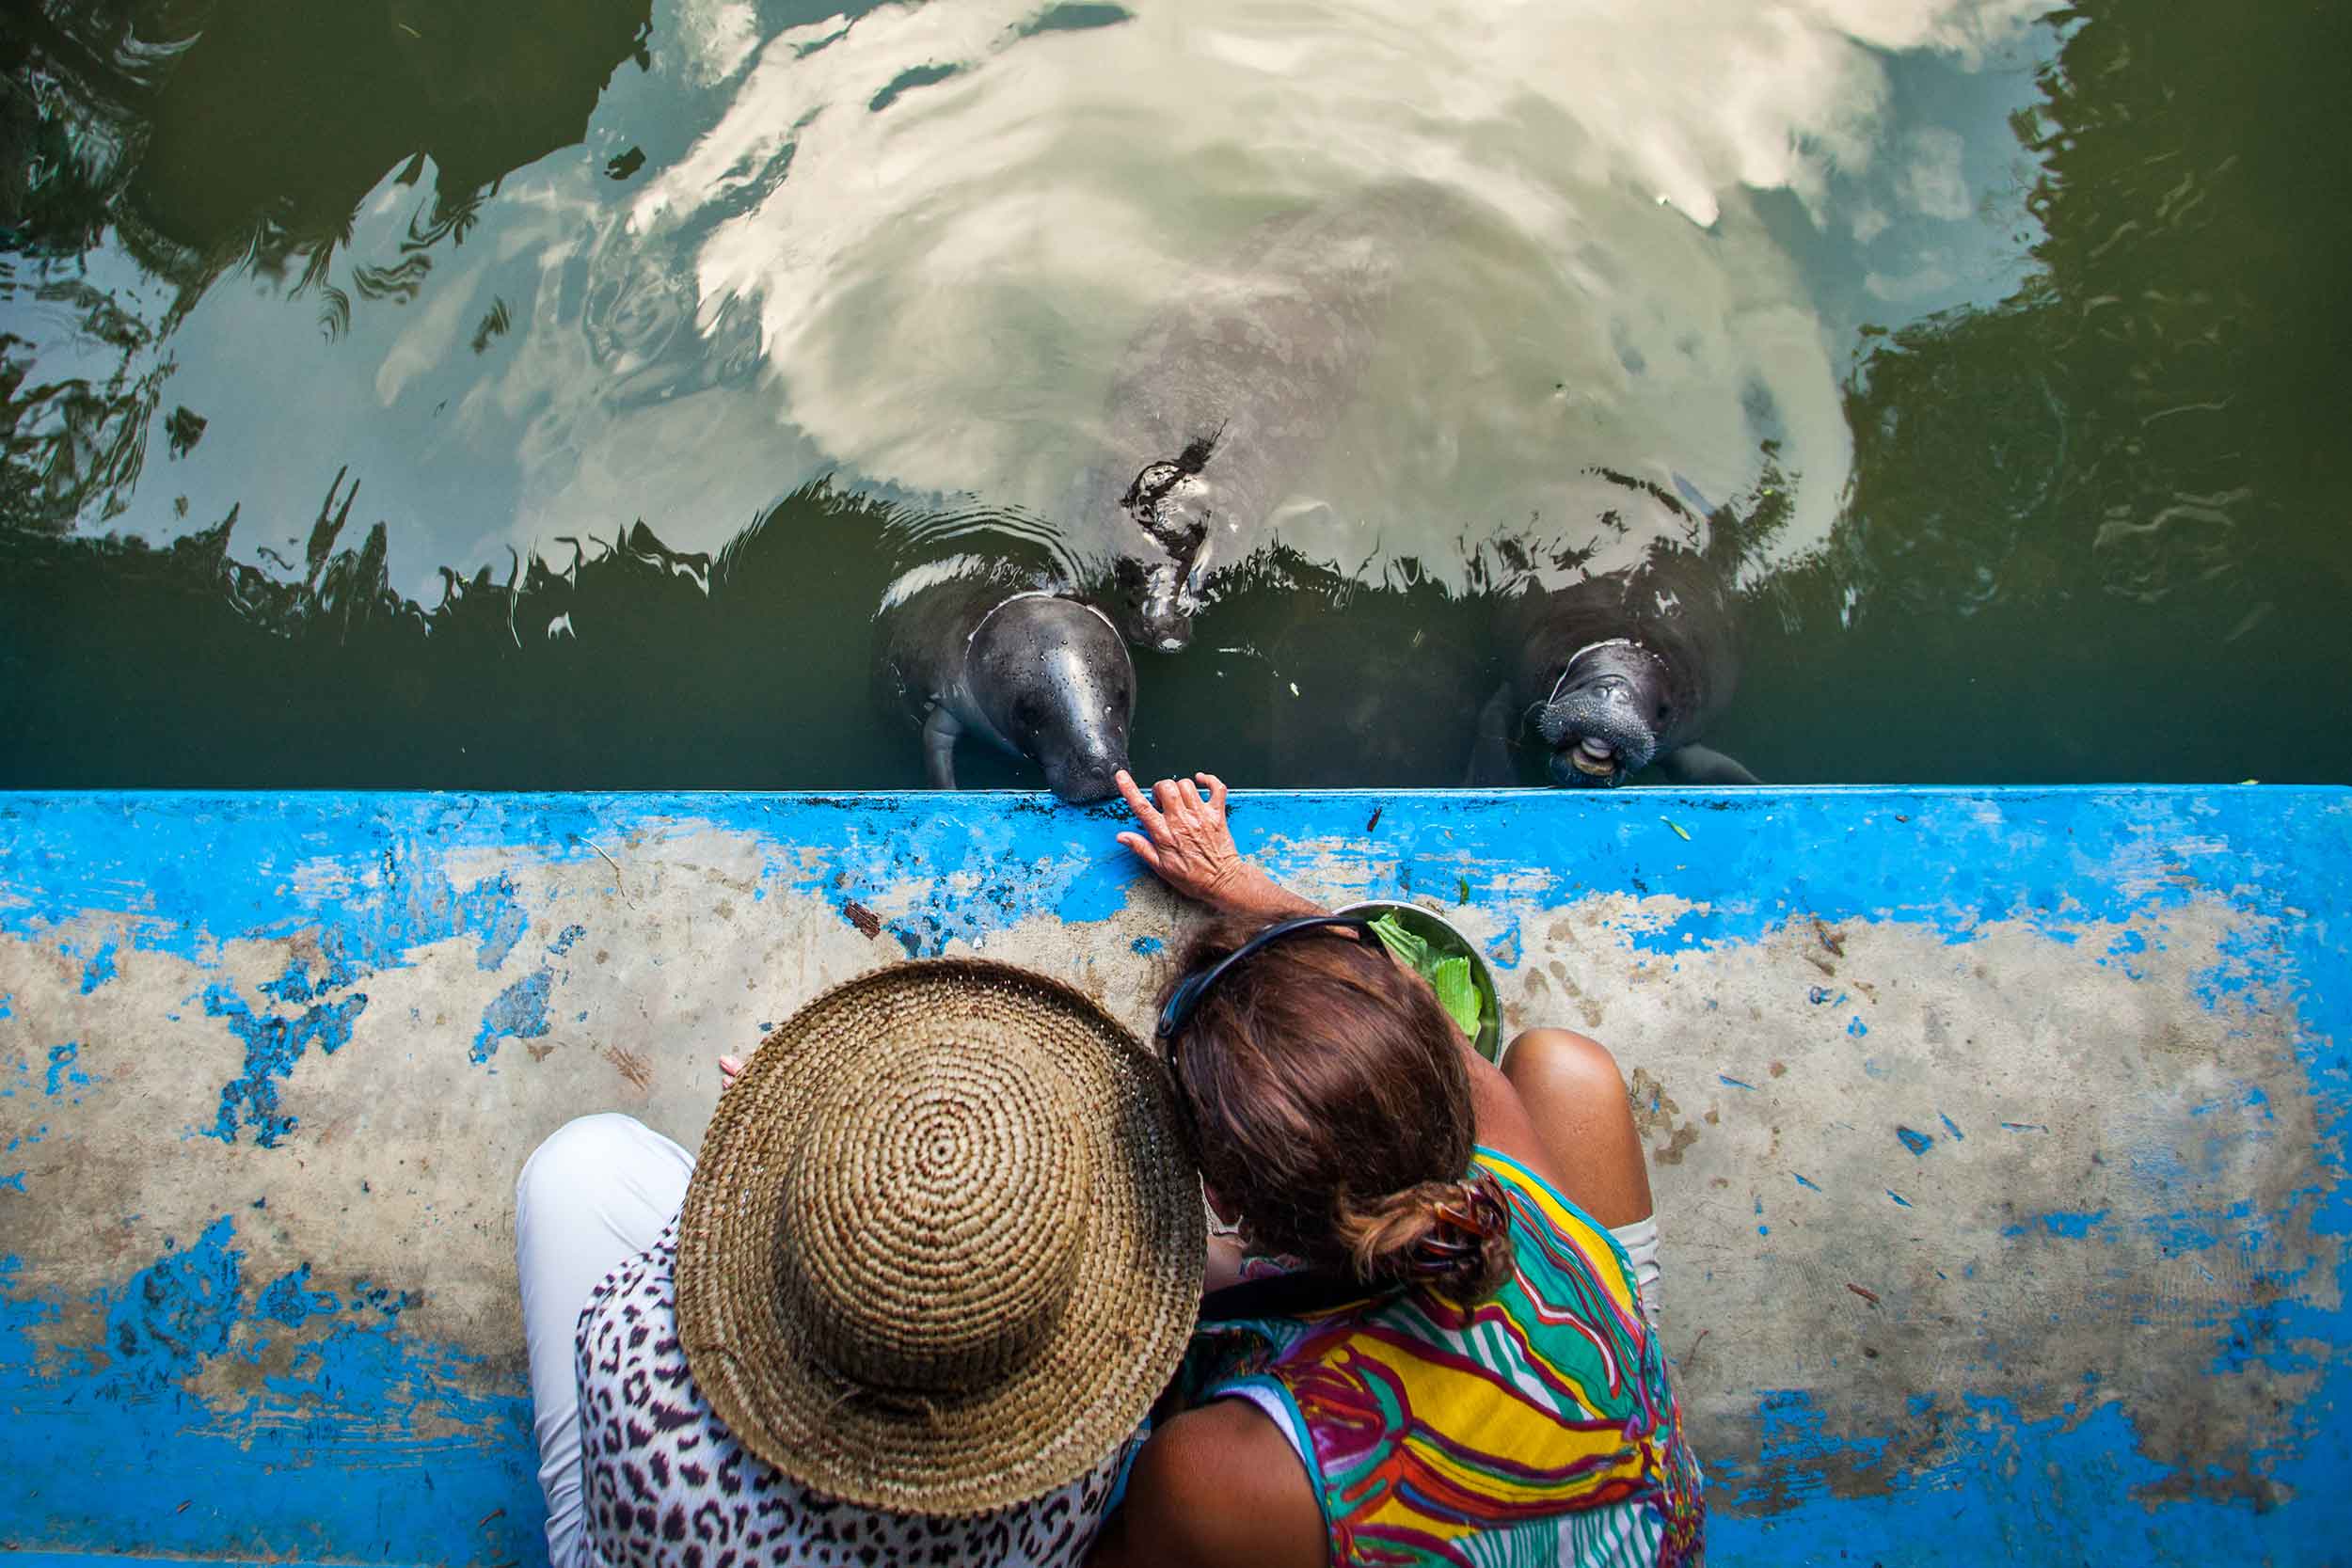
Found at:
(1700, 765)
(1490, 752)
(940, 732)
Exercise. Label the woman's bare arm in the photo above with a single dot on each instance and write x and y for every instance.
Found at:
(1216, 1487)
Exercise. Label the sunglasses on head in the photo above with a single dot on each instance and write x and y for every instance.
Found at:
(1185, 999)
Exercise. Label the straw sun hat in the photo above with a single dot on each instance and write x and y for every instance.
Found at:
(943, 1245)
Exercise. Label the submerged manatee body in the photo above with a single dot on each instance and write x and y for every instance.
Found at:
(1612, 670)
(1229, 393)
(1038, 674)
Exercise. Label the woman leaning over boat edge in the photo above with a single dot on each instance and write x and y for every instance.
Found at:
(1463, 1366)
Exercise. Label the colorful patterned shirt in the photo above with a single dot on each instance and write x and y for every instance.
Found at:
(1538, 1427)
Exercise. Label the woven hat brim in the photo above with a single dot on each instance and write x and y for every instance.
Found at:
(1130, 1311)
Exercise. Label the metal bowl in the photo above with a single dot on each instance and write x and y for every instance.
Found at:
(1431, 926)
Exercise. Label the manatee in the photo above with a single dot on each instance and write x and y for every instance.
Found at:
(1035, 673)
(1612, 670)
(1229, 392)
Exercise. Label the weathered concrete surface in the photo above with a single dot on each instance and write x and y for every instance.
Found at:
(1998, 1134)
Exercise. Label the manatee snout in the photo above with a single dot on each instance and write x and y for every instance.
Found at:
(1601, 733)
(1083, 746)
(1081, 779)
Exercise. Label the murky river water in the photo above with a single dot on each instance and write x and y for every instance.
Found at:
(417, 392)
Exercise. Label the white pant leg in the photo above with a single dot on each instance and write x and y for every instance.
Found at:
(1640, 1240)
(596, 1193)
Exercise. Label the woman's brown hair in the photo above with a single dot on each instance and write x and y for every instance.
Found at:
(1330, 1105)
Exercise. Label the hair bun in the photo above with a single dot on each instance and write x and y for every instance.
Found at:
(1452, 1235)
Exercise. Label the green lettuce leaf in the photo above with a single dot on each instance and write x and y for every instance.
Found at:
(1457, 993)
(1450, 977)
(1406, 946)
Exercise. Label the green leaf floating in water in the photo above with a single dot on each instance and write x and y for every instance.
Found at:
(1449, 976)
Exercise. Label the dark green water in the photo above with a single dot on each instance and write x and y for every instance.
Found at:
(404, 392)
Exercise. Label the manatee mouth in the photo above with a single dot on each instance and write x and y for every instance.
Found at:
(1593, 757)
(1586, 765)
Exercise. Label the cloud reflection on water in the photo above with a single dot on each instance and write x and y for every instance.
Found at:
(912, 245)
(945, 285)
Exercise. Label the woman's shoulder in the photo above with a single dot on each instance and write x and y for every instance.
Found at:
(1518, 1176)
(1565, 1233)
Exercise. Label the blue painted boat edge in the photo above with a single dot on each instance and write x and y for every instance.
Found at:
(2082, 1505)
(905, 796)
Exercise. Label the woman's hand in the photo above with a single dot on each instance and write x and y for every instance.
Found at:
(730, 1068)
(1185, 840)
(1188, 842)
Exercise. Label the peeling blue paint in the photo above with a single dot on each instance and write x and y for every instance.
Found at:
(176, 1313)
(64, 1077)
(1950, 1126)
(274, 1042)
(289, 1299)
(1067, 860)
(1796, 1433)
(401, 871)
(399, 898)
(15, 1184)
(2090, 1495)
(1808, 1185)
(518, 1012)
(331, 1451)
(1919, 1143)
(100, 968)
(2073, 1226)
(1731, 1083)
(490, 910)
